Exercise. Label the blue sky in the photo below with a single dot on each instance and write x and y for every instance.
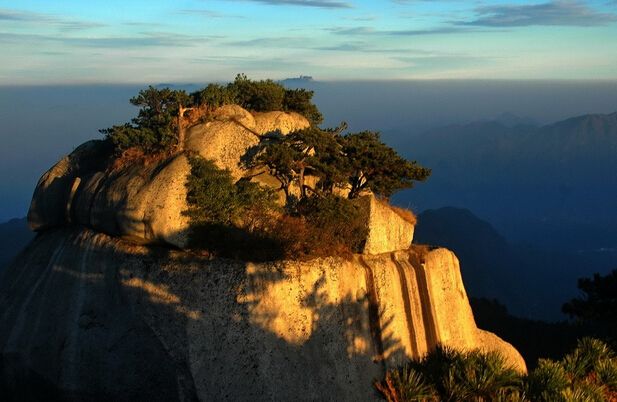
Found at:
(135, 41)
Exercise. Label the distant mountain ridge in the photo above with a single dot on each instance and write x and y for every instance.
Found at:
(533, 282)
(511, 120)
(14, 235)
(526, 180)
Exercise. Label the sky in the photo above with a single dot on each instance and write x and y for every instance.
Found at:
(154, 41)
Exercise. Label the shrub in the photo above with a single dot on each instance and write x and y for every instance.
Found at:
(588, 373)
(214, 95)
(154, 129)
(299, 100)
(449, 375)
(259, 96)
(405, 384)
(339, 220)
(241, 220)
(548, 381)
(216, 202)
(585, 374)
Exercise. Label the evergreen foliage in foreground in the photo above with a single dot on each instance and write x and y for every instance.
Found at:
(597, 305)
(589, 373)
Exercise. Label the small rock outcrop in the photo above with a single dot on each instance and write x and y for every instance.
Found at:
(234, 130)
(388, 230)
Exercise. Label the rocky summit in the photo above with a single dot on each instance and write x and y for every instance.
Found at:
(99, 306)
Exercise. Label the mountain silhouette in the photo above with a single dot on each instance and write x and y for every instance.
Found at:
(14, 235)
(553, 186)
(532, 282)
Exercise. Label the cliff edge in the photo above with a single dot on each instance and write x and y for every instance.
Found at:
(93, 315)
(98, 307)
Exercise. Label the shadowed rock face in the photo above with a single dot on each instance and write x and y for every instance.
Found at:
(92, 315)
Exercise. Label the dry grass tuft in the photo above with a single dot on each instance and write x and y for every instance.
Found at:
(418, 253)
(405, 214)
(136, 155)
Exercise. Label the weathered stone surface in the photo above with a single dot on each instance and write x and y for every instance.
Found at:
(72, 336)
(145, 203)
(233, 131)
(283, 122)
(224, 142)
(490, 342)
(77, 305)
(235, 114)
(53, 191)
(387, 230)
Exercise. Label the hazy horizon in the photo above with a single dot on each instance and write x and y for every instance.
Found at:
(40, 124)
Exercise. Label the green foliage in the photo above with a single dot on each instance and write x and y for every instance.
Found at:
(214, 198)
(339, 220)
(300, 101)
(548, 381)
(360, 161)
(214, 95)
(598, 305)
(406, 384)
(260, 96)
(585, 374)
(155, 127)
(606, 370)
(279, 159)
(448, 375)
(588, 373)
(241, 220)
(375, 166)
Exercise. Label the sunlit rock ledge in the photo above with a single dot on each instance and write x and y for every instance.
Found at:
(91, 314)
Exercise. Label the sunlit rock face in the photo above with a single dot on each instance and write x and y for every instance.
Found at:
(140, 202)
(388, 230)
(87, 314)
(233, 130)
(99, 308)
(144, 202)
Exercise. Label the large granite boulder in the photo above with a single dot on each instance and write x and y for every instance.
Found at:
(94, 317)
(145, 201)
